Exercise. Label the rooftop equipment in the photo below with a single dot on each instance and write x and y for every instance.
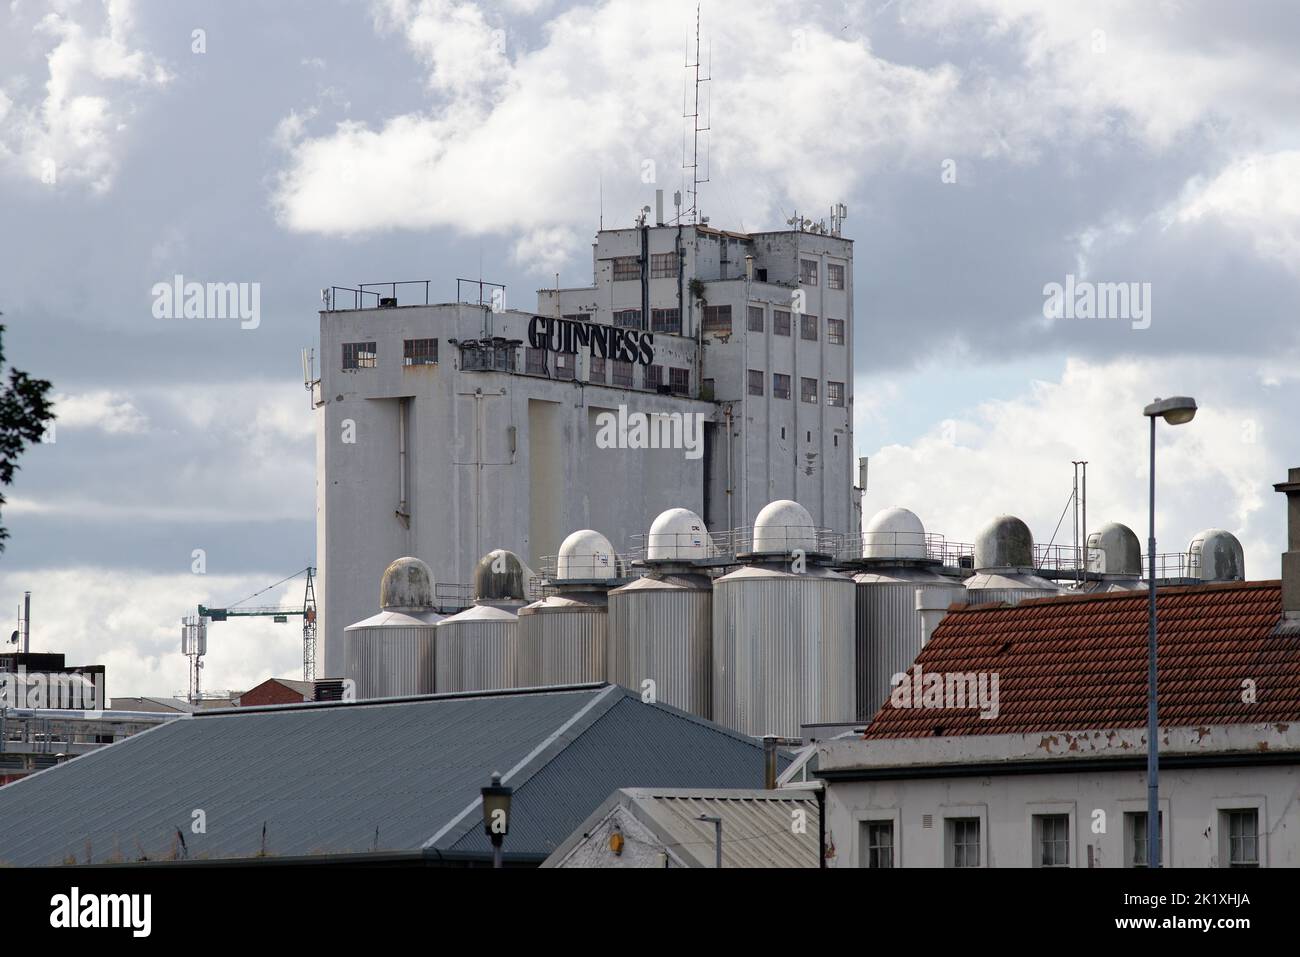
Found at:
(392, 653)
(661, 625)
(478, 649)
(1115, 555)
(783, 643)
(1216, 556)
(1004, 565)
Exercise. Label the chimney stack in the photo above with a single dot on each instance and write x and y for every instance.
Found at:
(1291, 557)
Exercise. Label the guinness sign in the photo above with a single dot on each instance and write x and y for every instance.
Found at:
(607, 342)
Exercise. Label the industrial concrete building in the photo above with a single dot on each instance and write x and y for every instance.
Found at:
(445, 430)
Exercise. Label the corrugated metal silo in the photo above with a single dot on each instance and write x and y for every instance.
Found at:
(478, 649)
(783, 638)
(564, 638)
(393, 653)
(661, 625)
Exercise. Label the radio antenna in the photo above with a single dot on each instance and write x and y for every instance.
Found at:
(693, 210)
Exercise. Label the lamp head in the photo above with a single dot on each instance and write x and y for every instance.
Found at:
(1176, 410)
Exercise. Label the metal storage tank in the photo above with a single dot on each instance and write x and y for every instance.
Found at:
(1004, 565)
(1115, 554)
(783, 642)
(661, 625)
(392, 653)
(889, 629)
(1216, 556)
(478, 649)
(563, 638)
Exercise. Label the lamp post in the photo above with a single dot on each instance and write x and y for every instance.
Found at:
(496, 814)
(1176, 411)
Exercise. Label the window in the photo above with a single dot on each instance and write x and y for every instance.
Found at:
(578, 316)
(808, 389)
(963, 842)
(780, 386)
(808, 272)
(756, 378)
(808, 327)
(420, 352)
(1136, 828)
(534, 361)
(623, 374)
(359, 355)
(654, 377)
(679, 380)
(835, 331)
(1052, 840)
(1242, 827)
(626, 267)
(835, 394)
(717, 319)
(596, 370)
(878, 843)
(666, 320)
(663, 265)
(487, 357)
(834, 276)
(781, 322)
(628, 318)
(755, 318)
(706, 388)
(566, 365)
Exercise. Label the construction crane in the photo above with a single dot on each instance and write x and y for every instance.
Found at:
(279, 613)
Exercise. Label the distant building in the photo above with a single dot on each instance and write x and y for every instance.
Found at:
(276, 691)
(446, 430)
(1058, 777)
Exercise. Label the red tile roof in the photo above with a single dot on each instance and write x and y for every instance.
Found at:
(1079, 663)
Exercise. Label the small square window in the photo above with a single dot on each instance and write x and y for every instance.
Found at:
(755, 318)
(717, 319)
(535, 361)
(808, 389)
(756, 378)
(420, 352)
(780, 389)
(781, 322)
(808, 272)
(627, 268)
(1052, 840)
(963, 835)
(622, 374)
(663, 265)
(835, 394)
(566, 365)
(1136, 831)
(834, 276)
(679, 381)
(1242, 827)
(654, 377)
(596, 370)
(808, 327)
(666, 320)
(359, 355)
(835, 331)
(628, 318)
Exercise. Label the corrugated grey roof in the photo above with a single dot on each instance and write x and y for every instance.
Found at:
(323, 778)
(759, 828)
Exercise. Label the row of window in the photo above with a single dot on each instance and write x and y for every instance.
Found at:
(717, 319)
(601, 371)
(1051, 840)
(757, 380)
(365, 355)
(664, 266)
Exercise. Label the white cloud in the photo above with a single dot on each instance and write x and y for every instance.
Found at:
(1258, 196)
(1014, 456)
(73, 131)
(130, 623)
(110, 412)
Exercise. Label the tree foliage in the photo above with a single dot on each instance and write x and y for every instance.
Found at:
(25, 408)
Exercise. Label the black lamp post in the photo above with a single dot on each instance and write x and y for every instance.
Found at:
(496, 814)
(1176, 411)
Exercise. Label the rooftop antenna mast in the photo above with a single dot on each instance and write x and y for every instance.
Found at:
(693, 210)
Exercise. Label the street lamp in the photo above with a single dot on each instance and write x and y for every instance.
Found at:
(1176, 411)
(496, 814)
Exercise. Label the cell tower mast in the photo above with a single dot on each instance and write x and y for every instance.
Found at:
(693, 210)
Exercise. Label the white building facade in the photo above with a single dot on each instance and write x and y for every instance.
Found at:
(448, 430)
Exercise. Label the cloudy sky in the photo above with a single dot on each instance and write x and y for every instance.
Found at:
(985, 149)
